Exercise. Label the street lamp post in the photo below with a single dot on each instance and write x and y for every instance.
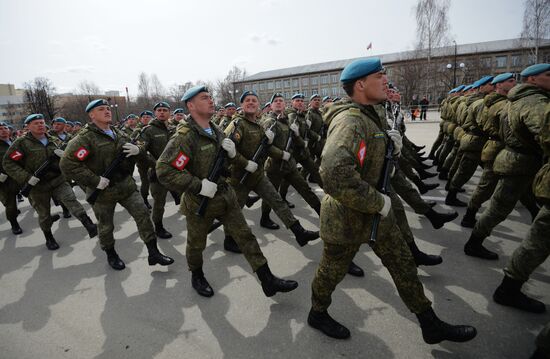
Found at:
(454, 66)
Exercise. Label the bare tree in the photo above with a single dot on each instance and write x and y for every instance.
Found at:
(40, 97)
(144, 90)
(225, 89)
(432, 31)
(536, 25)
(176, 91)
(158, 93)
(407, 76)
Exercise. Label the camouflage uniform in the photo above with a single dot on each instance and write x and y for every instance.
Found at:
(143, 164)
(518, 162)
(86, 158)
(23, 158)
(278, 170)
(8, 189)
(318, 127)
(351, 166)
(186, 160)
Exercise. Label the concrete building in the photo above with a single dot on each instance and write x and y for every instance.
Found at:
(12, 104)
(408, 70)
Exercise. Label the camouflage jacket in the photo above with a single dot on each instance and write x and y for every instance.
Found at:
(493, 111)
(88, 155)
(224, 122)
(27, 154)
(64, 140)
(282, 132)
(351, 166)
(9, 183)
(154, 137)
(522, 154)
(541, 184)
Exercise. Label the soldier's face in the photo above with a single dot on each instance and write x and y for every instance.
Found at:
(202, 105)
(250, 105)
(230, 111)
(298, 104)
(101, 114)
(37, 127)
(68, 128)
(145, 119)
(178, 117)
(131, 122)
(315, 103)
(162, 113)
(58, 127)
(543, 80)
(77, 127)
(374, 87)
(278, 104)
(507, 85)
(4, 132)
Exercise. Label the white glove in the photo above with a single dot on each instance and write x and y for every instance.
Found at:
(58, 152)
(308, 123)
(3, 177)
(251, 166)
(395, 136)
(387, 206)
(208, 189)
(294, 128)
(270, 136)
(229, 147)
(103, 183)
(130, 149)
(33, 181)
(286, 156)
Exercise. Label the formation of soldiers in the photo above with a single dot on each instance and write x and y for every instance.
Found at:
(355, 149)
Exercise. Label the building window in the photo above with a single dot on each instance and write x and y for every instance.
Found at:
(324, 91)
(305, 81)
(287, 84)
(262, 86)
(516, 60)
(486, 62)
(334, 78)
(304, 93)
(501, 61)
(531, 60)
(334, 91)
(270, 85)
(255, 87)
(324, 79)
(314, 80)
(295, 83)
(278, 84)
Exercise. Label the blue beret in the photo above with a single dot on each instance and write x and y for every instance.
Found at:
(59, 119)
(192, 92)
(326, 98)
(239, 108)
(34, 116)
(96, 103)
(266, 105)
(146, 113)
(178, 110)
(297, 95)
(275, 95)
(161, 104)
(468, 87)
(230, 104)
(70, 123)
(483, 81)
(460, 88)
(247, 93)
(336, 99)
(77, 123)
(534, 70)
(3, 124)
(131, 116)
(314, 96)
(361, 68)
(502, 77)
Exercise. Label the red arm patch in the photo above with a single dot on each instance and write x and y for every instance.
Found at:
(361, 154)
(180, 162)
(16, 155)
(81, 154)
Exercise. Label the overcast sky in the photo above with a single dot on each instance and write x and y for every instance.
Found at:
(111, 42)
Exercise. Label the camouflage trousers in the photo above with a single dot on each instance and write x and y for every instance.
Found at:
(105, 211)
(408, 170)
(543, 340)
(41, 201)
(466, 169)
(158, 192)
(267, 192)
(485, 188)
(234, 224)
(8, 197)
(455, 163)
(533, 250)
(308, 167)
(294, 179)
(401, 219)
(508, 191)
(438, 141)
(395, 255)
(144, 187)
(447, 147)
(405, 190)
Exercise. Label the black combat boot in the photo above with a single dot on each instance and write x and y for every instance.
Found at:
(15, 228)
(538, 354)
(509, 293)
(55, 218)
(474, 248)
(355, 270)
(469, 219)
(250, 200)
(51, 244)
(272, 284)
(20, 197)
(443, 175)
(431, 203)
(200, 284)
(266, 222)
(302, 235)
(66, 212)
(324, 322)
(434, 330)
(423, 259)
(439, 219)
(155, 257)
(424, 187)
(451, 200)
(289, 204)
(147, 204)
(89, 225)
(176, 197)
(114, 260)
(426, 167)
(317, 209)
(161, 232)
(423, 174)
(230, 245)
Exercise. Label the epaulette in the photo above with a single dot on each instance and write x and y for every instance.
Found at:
(183, 128)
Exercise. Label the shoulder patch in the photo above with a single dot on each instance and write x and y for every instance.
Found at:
(180, 161)
(16, 155)
(362, 152)
(355, 111)
(82, 153)
(378, 135)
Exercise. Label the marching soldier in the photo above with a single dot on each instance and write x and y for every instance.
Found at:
(143, 164)
(155, 136)
(130, 123)
(351, 166)
(184, 167)
(58, 129)
(8, 187)
(24, 157)
(230, 109)
(86, 159)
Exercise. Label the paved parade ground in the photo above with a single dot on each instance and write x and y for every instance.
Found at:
(70, 304)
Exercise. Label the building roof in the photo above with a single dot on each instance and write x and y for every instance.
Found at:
(489, 46)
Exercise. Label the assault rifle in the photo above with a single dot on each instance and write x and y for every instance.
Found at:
(260, 152)
(41, 171)
(288, 141)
